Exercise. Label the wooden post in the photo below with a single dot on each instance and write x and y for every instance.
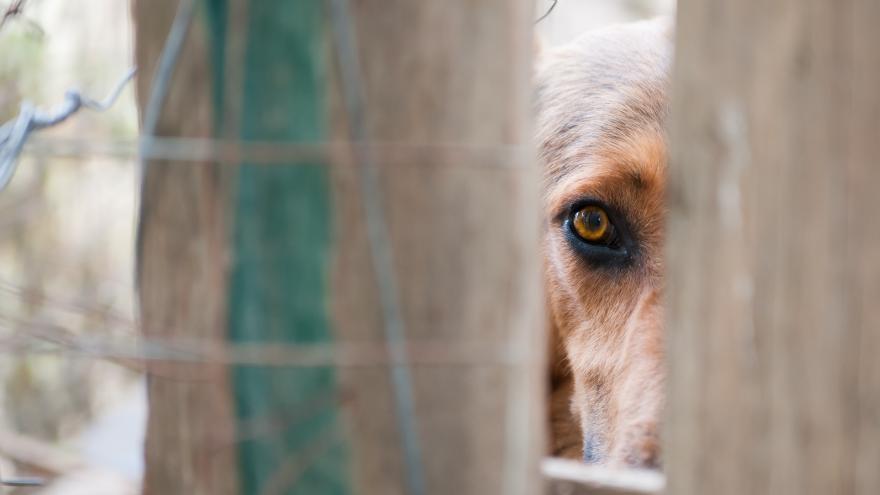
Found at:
(463, 220)
(774, 249)
(279, 254)
(183, 274)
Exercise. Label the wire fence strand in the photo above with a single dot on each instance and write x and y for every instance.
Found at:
(200, 150)
(379, 242)
(21, 335)
(15, 133)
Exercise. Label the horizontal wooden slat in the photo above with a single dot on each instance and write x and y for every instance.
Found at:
(567, 477)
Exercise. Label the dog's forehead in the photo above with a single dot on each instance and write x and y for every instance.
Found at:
(601, 89)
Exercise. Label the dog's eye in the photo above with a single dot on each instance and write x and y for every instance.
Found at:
(600, 234)
(592, 225)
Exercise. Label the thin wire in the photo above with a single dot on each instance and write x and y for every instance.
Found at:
(30, 338)
(165, 68)
(546, 14)
(21, 482)
(379, 243)
(14, 133)
(168, 59)
(207, 150)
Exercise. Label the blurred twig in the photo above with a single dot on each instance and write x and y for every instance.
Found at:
(129, 348)
(38, 296)
(14, 9)
(36, 454)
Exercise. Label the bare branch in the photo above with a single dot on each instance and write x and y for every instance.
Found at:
(15, 9)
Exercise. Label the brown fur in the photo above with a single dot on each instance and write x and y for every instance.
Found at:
(601, 119)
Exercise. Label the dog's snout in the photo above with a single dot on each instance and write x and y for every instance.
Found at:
(591, 449)
(644, 447)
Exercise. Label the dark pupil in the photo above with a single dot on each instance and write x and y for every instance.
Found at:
(594, 220)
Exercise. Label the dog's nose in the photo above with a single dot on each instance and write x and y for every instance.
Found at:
(591, 451)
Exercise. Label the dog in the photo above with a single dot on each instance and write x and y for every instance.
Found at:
(602, 104)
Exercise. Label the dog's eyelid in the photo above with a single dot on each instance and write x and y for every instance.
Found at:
(582, 202)
(568, 203)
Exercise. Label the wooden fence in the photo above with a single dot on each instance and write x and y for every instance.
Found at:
(412, 250)
(773, 249)
(372, 304)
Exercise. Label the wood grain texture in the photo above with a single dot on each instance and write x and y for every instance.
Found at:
(464, 231)
(464, 234)
(774, 249)
(183, 269)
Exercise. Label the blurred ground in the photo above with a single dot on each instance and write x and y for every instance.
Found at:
(66, 242)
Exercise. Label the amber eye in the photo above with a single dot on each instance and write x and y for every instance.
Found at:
(591, 224)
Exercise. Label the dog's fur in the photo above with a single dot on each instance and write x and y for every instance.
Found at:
(602, 104)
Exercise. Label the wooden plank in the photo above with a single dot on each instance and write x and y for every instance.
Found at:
(568, 477)
(773, 249)
(183, 275)
(463, 240)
